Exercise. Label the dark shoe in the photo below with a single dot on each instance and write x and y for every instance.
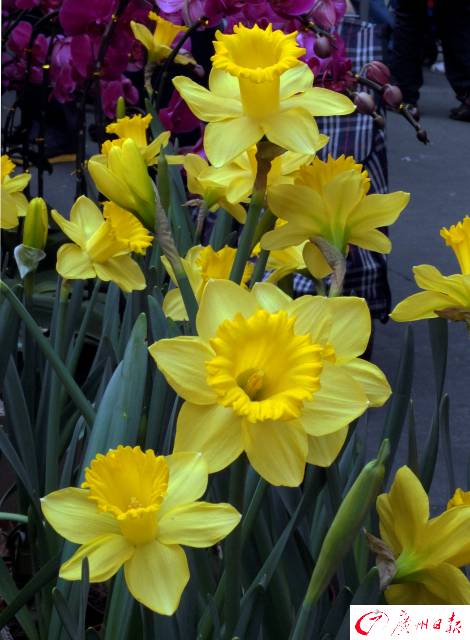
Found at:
(461, 113)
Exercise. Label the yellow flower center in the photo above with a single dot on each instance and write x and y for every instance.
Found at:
(257, 57)
(127, 228)
(135, 128)
(218, 264)
(261, 369)
(130, 484)
(458, 237)
(318, 174)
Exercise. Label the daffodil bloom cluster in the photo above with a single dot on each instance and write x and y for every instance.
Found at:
(135, 509)
(14, 202)
(259, 87)
(135, 127)
(277, 378)
(200, 264)
(447, 296)
(330, 200)
(428, 551)
(122, 176)
(102, 244)
(159, 43)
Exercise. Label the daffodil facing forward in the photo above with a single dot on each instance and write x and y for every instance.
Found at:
(135, 127)
(329, 201)
(277, 378)
(258, 87)
(122, 176)
(159, 43)
(102, 243)
(14, 202)
(200, 264)
(136, 509)
(445, 296)
(428, 551)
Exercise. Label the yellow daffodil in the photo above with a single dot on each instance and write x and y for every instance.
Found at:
(158, 43)
(329, 200)
(447, 296)
(459, 499)
(458, 237)
(258, 87)
(14, 202)
(277, 378)
(122, 176)
(201, 264)
(428, 551)
(282, 262)
(135, 127)
(102, 244)
(222, 188)
(136, 509)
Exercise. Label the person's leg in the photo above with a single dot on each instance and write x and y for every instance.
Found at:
(408, 37)
(453, 23)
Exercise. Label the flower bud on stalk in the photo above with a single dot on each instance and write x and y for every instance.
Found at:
(377, 72)
(342, 532)
(364, 102)
(322, 47)
(35, 225)
(120, 108)
(392, 95)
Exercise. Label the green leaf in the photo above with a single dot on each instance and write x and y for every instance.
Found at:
(119, 413)
(9, 591)
(9, 327)
(221, 231)
(19, 468)
(367, 593)
(67, 618)
(429, 459)
(339, 609)
(119, 611)
(45, 575)
(412, 459)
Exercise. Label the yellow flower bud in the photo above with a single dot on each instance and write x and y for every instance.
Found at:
(36, 224)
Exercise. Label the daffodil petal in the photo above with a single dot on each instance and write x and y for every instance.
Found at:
(187, 481)
(324, 450)
(222, 300)
(410, 594)
(446, 583)
(213, 430)
(270, 297)
(156, 576)
(378, 210)
(420, 306)
(339, 401)
(122, 270)
(73, 263)
(372, 380)
(105, 554)
(277, 451)
(206, 105)
(200, 524)
(293, 129)
(286, 236)
(447, 538)
(295, 80)
(86, 215)
(321, 102)
(428, 277)
(173, 305)
(297, 204)
(71, 229)
(142, 34)
(315, 261)
(223, 84)
(351, 326)
(75, 517)
(313, 317)
(408, 504)
(109, 184)
(373, 240)
(182, 362)
(238, 135)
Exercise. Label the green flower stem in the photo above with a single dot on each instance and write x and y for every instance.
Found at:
(55, 396)
(29, 348)
(341, 534)
(245, 245)
(13, 517)
(59, 367)
(233, 549)
(260, 267)
(266, 223)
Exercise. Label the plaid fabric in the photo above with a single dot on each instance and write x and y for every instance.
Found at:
(356, 135)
